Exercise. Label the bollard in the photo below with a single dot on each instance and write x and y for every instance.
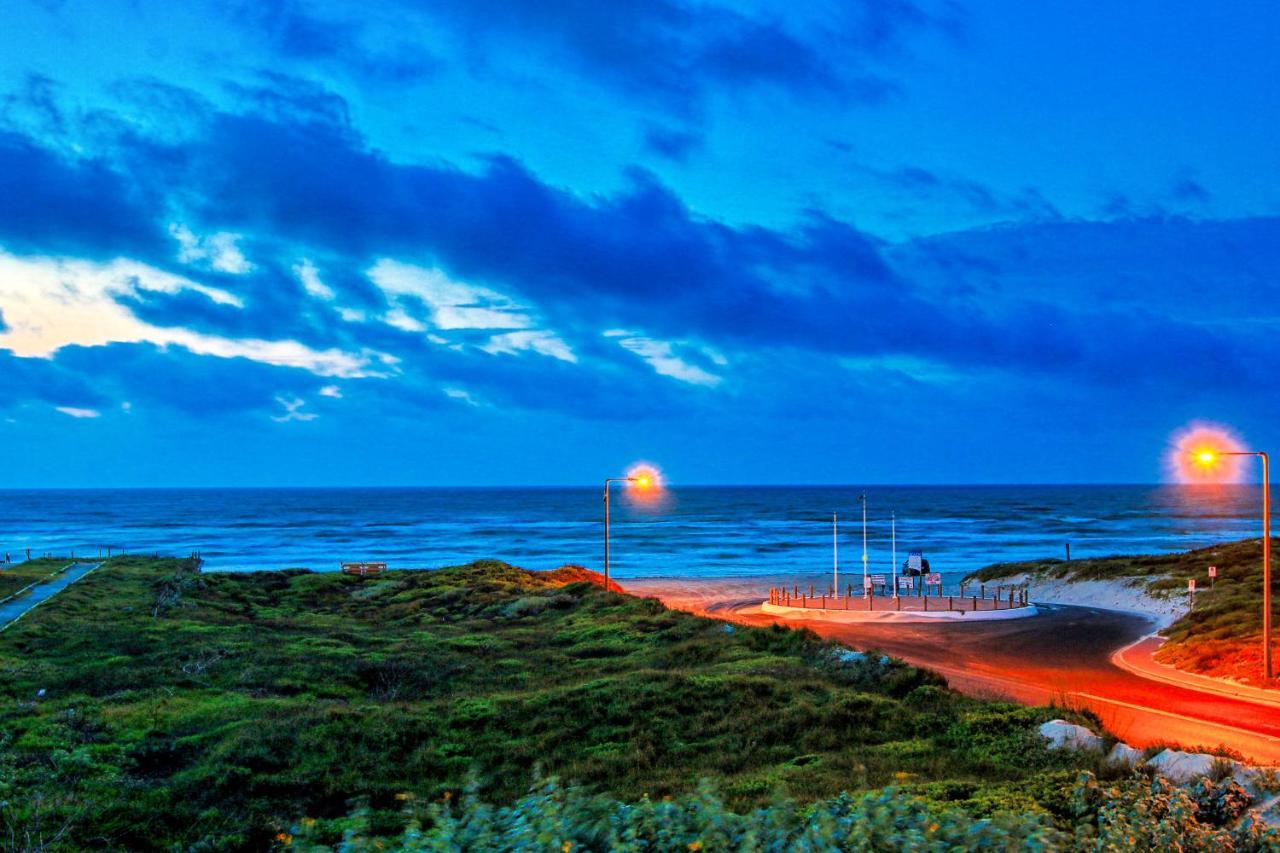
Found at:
(975, 603)
(824, 602)
(951, 603)
(982, 591)
(898, 600)
(926, 604)
(871, 603)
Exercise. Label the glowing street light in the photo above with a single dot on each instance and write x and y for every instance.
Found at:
(637, 478)
(1209, 457)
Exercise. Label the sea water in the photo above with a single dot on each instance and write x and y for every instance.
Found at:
(689, 531)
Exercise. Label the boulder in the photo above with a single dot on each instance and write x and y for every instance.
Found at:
(1124, 755)
(1183, 767)
(1064, 735)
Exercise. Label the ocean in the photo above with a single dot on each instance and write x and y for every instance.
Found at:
(721, 531)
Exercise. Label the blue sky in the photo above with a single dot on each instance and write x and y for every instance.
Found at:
(310, 243)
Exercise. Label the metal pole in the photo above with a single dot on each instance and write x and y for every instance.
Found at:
(864, 543)
(606, 535)
(1266, 564)
(835, 556)
(894, 558)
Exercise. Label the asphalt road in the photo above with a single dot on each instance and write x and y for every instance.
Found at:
(1062, 656)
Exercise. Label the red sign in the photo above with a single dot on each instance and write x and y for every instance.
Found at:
(1191, 585)
(1213, 571)
(933, 579)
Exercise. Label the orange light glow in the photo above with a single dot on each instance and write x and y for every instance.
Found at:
(646, 483)
(1198, 451)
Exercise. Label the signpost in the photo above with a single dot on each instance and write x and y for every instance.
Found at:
(879, 580)
(1191, 590)
(1213, 573)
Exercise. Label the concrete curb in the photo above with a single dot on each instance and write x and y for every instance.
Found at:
(831, 615)
(1193, 681)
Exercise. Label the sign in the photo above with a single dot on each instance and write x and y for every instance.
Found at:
(905, 583)
(933, 579)
(914, 560)
(878, 580)
(1191, 585)
(866, 582)
(1213, 571)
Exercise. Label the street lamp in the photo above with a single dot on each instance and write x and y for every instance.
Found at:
(642, 480)
(1209, 457)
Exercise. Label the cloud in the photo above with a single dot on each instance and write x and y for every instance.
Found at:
(293, 411)
(53, 203)
(452, 304)
(52, 303)
(673, 144)
(541, 342)
(217, 252)
(661, 356)
(73, 412)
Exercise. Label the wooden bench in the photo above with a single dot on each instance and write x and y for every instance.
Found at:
(363, 568)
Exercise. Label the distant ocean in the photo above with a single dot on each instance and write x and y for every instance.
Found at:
(695, 531)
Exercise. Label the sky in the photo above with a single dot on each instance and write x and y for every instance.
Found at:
(500, 242)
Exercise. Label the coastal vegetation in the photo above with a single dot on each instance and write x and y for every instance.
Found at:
(1221, 636)
(153, 706)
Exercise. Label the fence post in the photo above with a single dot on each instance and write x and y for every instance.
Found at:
(951, 602)
(926, 604)
(898, 599)
(824, 602)
(975, 604)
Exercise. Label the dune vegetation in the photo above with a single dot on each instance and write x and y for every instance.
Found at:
(1220, 636)
(153, 706)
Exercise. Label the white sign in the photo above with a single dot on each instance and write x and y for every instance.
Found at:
(933, 579)
(866, 583)
(905, 583)
(1191, 585)
(914, 560)
(1213, 571)
(878, 580)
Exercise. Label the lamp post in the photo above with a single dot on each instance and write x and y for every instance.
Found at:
(863, 498)
(1208, 457)
(643, 481)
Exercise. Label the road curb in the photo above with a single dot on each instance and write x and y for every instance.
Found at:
(1194, 681)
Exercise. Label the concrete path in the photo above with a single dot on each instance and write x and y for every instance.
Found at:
(1139, 658)
(14, 609)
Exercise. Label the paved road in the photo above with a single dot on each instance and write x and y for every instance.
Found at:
(13, 610)
(1061, 656)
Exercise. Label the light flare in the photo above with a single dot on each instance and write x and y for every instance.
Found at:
(1197, 451)
(645, 486)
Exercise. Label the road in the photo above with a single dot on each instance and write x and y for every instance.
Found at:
(13, 610)
(1062, 656)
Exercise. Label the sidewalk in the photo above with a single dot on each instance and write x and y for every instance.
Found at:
(31, 596)
(1137, 658)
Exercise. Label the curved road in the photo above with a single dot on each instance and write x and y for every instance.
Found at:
(1062, 656)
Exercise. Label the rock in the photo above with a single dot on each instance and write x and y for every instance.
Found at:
(850, 656)
(1064, 735)
(1182, 767)
(1125, 755)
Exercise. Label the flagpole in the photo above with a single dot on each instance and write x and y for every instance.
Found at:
(835, 556)
(864, 543)
(894, 517)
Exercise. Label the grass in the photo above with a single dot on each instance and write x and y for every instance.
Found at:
(213, 710)
(1221, 636)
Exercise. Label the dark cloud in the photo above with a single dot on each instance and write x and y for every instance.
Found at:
(671, 143)
(55, 203)
(24, 379)
(297, 32)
